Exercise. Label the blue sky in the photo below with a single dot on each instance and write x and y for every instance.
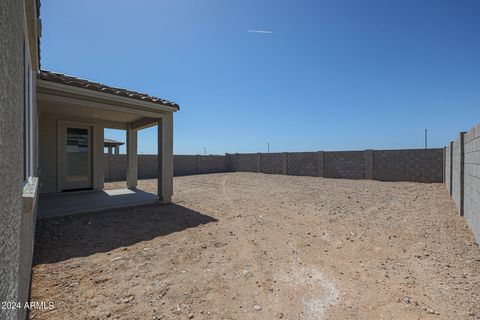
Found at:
(331, 75)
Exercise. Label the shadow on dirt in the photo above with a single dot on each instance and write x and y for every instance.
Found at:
(58, 239)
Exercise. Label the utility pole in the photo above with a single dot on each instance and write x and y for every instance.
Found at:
(268, 147)
(204, 150)
(426, 138)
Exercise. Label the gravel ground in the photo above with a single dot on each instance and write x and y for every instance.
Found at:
(256, 246)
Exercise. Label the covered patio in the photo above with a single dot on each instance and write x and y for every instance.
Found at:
(91, 201)
(73, 114)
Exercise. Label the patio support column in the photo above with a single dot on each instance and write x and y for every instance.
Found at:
(165, 158)
(131, 157)
(98, 157)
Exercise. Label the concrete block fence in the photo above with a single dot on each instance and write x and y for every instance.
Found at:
(422, 165)
(462, 176)
(115, 166)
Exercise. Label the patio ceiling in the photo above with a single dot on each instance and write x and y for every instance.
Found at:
(86, 111)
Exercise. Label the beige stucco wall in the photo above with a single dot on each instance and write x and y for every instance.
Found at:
(48, 138)
(17, 225)
(11, 144)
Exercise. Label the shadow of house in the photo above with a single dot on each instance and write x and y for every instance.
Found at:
(59, 239)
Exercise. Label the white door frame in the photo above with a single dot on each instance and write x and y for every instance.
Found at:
(62, 185)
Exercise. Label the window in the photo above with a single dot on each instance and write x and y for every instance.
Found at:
(27, 116)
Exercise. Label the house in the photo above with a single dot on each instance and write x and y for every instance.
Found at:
(112, 145)
(52, 145)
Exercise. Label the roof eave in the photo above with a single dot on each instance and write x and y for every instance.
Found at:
(52, 85)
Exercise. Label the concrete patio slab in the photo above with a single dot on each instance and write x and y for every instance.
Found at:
(91, 201)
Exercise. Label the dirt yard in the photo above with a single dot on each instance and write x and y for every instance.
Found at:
(255, 246)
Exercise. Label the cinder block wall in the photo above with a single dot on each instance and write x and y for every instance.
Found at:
(116, 166)
(344, 164)
(448, 171)
(462, 160)
(271, 163)
(148, 166)
(184, 165)
(423, 165)
(247, 162)
(303, 163)
(456, 173)
(210, 164)
(472, 179)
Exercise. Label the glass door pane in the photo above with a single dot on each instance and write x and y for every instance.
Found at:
(78, 156)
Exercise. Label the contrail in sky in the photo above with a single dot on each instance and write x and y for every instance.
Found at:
(260, 31)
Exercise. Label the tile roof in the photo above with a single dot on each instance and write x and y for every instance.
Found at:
(95, 86)
(107, 141)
